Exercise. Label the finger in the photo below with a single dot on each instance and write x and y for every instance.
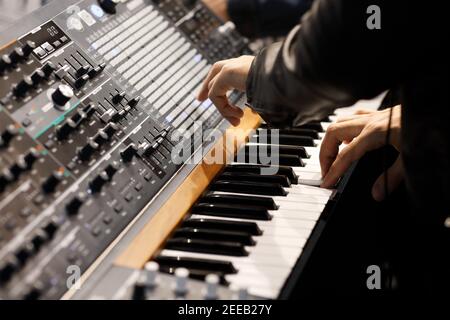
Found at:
(218, 95)
(364, 111)
(354, 151)
(395, 177)
(335, 135)
(215, 69)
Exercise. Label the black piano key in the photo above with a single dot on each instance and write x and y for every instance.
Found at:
(210, 234)
(265, 202)
(282, 149)
(295, 131)
(234, 249)
(262, 188)
(301, 132)
(285, 139)
(232, 211)
(212, 266)
(256, 168)
(313, 126)
(241, 226)
(255, 177)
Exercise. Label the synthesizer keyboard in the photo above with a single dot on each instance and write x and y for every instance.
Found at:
(93, 205)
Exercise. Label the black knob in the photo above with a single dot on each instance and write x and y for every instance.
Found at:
(48, 69)
(21, 89)
(50, 184)
(134, 102)
(81, 81)
(5, 138)
(51, 227)
(78, 117)
(88, 150)
(81, 71)
(17, 55)
(112, 168)
(74, 205)
(109, 5)
(110, 129)
(129, 152)
(5, 63)
(28, 48)
(31, 157)
(34, 293)
(7, 268)
(40, 237)
(6, 177)
(101, 137)
(25, 253)
(63, 130)
(37, 77)
(118, 97)
(62, 95)
(98, 182)
(90, 109)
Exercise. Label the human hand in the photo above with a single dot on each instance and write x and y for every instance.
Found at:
(219, 7)
(223, 77)
(363, 132)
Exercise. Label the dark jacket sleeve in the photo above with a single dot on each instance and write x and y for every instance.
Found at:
(264, 18)
(333, 59)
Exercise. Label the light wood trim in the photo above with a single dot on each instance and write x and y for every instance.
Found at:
(157, 230)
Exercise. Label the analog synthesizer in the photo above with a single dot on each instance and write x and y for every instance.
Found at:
(91, 93)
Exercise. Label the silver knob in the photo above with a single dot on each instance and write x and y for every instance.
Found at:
(181, 279)
(151, 272)
(239, 293)
(212, 282)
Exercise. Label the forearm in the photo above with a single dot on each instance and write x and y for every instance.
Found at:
(331, 60)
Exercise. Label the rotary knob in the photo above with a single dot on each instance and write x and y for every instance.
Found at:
(98, 182)
(17, 55)
(48, 69)
(21, 89)
(212, 283)
(28, 48)
(61, 96)
(112, 168)
(74, 205)
(181, 281)
(5, 63)
(5, 138)
(63, 131)
(129, 152)
(52, 182)
(109, 6)
(86, 152)
(37, 77)
(151, 273)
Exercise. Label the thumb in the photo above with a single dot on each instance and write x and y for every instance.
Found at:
(395, 177)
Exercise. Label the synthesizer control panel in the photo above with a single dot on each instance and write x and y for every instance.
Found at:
(90, 99)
